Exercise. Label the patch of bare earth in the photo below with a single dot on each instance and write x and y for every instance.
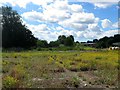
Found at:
(94, 81)
(64, 78)
(60, 79)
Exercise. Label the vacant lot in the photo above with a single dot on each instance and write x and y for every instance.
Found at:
(60, 69)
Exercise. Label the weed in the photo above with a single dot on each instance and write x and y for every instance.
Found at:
(98, 57)
(75, 82)
(84, 79)
(18, 72)
(10, 82)
(18, 65)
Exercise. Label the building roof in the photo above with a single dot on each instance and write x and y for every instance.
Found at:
(116, 44)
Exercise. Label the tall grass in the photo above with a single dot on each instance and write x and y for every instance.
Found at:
(23, 66)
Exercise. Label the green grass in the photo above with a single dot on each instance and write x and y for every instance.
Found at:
(22, 67)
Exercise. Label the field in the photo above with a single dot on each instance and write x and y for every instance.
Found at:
(60, 69)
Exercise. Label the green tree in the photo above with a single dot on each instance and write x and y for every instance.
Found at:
(102, 43)
(71, 36)
(61, 39)
(106, 42)
(116, 38)
(89, 41)
(54, 44)
(110, 41)
(95, 40)
(14, 33)
(42, 43)
(69, 41)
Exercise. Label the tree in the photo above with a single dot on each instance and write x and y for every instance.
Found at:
(106, 42)
(54, 44)
(61, 39)
(71, 36)
(95, 40)
(69, 41)
(102, 43)
(14, 33)
(42, 43)
(110, 41)
(116, 38)
(77, 42)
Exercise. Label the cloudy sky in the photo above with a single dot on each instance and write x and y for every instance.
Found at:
(48, 19)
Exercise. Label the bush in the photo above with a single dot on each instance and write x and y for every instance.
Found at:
(38, 49)
(18, 72)
(10, 82)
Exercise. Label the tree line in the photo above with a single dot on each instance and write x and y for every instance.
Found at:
(15, 34)
(62, 40)
(106, 42)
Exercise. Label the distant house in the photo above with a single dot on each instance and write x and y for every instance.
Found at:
(115, 46)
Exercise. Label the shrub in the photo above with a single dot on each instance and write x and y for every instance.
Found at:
(75, 82)
(84, 66)
(18, 72)
(98, 57)
(10, 82)
(39, 49)
(74, 69)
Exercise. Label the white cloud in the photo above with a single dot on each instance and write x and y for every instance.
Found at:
(79, 21)
(90, 34)
(83, 17)
(52, 14)
(60, 3)
(108, 33)
(23, 4)
(94, 27)
(67, 32)
(103, 4)
(20, 3)
(115, 25)
(94, 0)
(32, 16)
(79, 27)
(76, 8)
(59, 28)
(106, 23)
(42, 31)
(40, 27)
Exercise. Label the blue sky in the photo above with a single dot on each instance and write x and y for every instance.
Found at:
(47, 19)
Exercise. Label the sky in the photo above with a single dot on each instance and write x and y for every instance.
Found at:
(84, 19)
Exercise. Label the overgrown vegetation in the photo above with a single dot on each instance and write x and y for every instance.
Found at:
(60, 69)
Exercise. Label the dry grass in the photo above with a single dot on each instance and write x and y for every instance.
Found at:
(24, 66)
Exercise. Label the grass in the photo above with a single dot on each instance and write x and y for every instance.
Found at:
(47, 67)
